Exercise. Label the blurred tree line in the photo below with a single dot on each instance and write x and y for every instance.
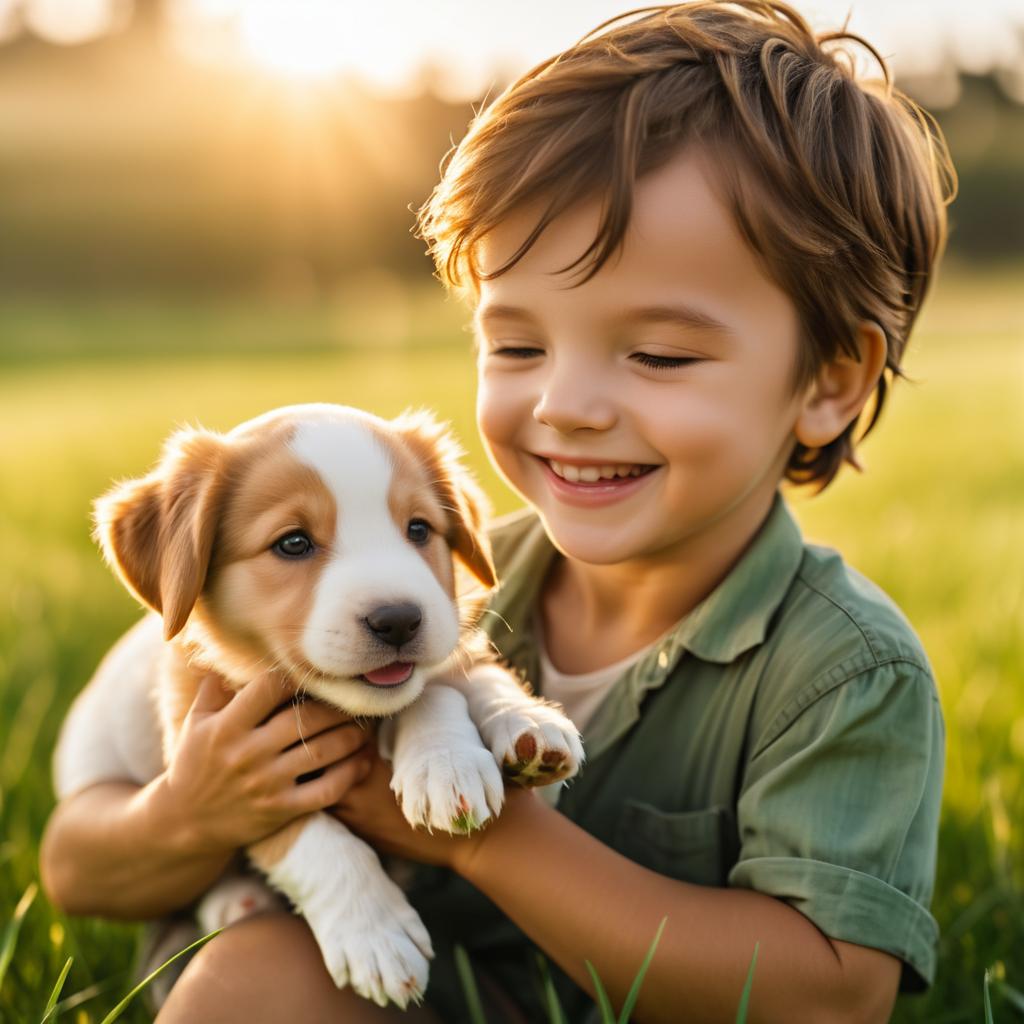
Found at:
(125, 168)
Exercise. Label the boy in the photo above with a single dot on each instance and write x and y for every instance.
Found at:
(695, 246)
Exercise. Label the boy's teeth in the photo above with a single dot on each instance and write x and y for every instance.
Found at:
(591, 474)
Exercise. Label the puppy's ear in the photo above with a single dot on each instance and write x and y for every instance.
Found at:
(157, 532)
(463, 500)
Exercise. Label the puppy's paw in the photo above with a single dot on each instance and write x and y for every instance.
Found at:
(454, 788)
(383, 954)
(233, 899)
(534, 743)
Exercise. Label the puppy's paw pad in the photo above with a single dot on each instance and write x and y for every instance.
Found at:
(536, 746)
(526, 748)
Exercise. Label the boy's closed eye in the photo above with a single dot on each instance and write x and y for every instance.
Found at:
(662, 362)
(651, 360)
(516, 351)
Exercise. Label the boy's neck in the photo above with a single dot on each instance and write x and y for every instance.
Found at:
(595, 615)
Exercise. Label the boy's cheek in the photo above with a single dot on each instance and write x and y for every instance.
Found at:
(499, 418)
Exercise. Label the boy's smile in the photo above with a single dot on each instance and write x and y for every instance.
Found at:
(651, 408)
(589, 484)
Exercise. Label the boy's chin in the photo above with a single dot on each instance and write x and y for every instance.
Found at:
(595, 545)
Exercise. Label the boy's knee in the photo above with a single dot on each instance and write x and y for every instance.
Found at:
(262, 963)
(269, 968)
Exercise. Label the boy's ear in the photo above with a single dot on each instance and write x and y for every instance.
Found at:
(841, 389)
(157, 532)
(459, 494)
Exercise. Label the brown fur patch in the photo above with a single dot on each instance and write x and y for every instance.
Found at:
(412, 496)
(255, 600)
(459, 496)
(158, 532)
(268, 852)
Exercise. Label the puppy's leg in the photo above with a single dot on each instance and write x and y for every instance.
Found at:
(442, 774)
(370, 937)
(532, 741)
(233, 898)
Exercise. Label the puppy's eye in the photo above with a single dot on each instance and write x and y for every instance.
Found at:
(418, 531)
(293, 545)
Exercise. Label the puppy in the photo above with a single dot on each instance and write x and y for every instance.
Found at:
(322, 541)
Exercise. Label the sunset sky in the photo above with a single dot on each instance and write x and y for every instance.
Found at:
(468, 42)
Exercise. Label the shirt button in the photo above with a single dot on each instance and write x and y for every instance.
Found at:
(663, 659)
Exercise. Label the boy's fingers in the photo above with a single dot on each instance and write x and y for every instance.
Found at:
(211, 696)
(258, 699)
(329, 747)
(327, 790)
(297, 723)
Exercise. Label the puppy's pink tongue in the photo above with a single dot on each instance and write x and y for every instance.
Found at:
(390, 675)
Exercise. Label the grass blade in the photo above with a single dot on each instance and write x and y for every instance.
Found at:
(601, 997)
(51, 1003)
(121, 1006)
(634, 992)
(1011, 995)
(741, 1011)
(556, 1015)
(469, 989)
(988, 1000)
(13, 927)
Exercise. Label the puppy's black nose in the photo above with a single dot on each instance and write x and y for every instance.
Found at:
(395, 624)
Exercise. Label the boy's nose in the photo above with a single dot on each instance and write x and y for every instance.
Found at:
(568, 404)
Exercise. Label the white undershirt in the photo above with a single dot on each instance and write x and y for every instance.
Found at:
(580, 695)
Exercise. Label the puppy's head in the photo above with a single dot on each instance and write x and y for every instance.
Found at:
(315, 539)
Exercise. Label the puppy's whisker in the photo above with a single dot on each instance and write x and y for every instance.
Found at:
(498, 615)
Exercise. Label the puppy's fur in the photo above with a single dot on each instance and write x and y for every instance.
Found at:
(318, 540)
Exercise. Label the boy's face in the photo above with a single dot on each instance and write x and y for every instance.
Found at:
(675, 362)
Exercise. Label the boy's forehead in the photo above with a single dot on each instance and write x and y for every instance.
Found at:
(682, 242)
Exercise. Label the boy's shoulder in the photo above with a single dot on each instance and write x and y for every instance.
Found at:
(866, 625)
(836, 632)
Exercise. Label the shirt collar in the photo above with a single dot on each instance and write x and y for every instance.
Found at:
(736, 615)
(731, 620)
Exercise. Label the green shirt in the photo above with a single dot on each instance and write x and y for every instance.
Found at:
(785, 736)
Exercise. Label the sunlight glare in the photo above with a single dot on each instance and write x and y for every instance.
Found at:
(301, 39)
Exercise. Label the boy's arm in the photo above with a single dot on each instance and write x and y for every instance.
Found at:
(580, 900)
(120, 850)
(112, 850)
(545, 872)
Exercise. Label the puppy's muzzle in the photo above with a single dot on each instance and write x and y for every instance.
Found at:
(394, 624)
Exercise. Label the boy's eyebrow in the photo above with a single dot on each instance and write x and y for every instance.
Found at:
(501, 311)
(682, 315)
(685, 316)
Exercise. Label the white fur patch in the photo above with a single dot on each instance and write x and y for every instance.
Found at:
(369, 935)
(443, 776)
(371, 564)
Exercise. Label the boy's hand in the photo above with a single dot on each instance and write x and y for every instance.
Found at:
(370, 809)
(232, 776)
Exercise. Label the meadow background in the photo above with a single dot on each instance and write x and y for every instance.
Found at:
(186, 242)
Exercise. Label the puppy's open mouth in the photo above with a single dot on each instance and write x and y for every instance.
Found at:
(394, 674)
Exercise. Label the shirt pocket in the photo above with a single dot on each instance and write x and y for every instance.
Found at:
(692, 846)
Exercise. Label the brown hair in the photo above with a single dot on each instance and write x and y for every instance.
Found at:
(839, 185)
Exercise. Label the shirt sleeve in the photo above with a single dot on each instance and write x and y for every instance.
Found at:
(839, 808)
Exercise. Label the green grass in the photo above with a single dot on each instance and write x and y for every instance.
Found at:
(937, 520)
